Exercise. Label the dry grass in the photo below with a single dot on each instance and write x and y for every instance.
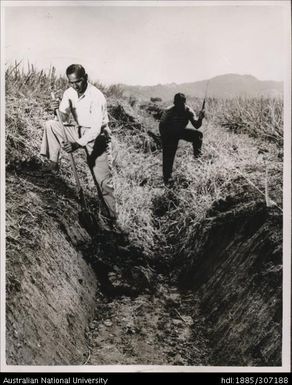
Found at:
(260, 118)
(231, 164)
(161, 220)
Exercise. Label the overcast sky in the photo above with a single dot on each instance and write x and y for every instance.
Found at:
(151, 44)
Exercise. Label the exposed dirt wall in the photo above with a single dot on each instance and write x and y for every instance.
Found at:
(50, 289)
(236, 268)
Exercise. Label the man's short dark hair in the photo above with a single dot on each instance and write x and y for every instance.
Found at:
(179, 98)
(76, 69)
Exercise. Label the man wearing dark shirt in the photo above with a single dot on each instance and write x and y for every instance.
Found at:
(172, 127)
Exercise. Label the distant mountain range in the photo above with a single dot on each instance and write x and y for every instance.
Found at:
(223, 86)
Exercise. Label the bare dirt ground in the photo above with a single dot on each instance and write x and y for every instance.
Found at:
(164, 328)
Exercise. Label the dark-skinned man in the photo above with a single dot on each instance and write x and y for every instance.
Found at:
(88, 107)
(172, 127)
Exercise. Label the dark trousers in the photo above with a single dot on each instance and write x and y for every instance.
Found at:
(170, 143)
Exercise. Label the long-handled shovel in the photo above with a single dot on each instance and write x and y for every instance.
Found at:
(86, 219)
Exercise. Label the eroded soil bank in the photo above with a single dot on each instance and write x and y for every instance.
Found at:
(72, 300)
(236, 270)
(50, 289)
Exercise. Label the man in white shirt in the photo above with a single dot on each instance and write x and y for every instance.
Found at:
(88, 107)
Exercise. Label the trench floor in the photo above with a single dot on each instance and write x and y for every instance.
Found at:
(164, 328)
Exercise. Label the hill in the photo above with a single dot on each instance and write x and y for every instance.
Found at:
(223, 86)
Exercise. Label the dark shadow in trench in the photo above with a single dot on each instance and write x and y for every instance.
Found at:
(102, 250)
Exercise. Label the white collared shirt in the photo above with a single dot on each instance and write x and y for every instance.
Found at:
(89, 111)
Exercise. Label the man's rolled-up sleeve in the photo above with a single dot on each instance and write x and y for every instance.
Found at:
(64, 106)
(191, 113)
(196, 122)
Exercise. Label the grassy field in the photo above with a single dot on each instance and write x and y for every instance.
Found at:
(242, 153)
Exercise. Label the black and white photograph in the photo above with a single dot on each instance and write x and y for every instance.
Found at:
(146, 186)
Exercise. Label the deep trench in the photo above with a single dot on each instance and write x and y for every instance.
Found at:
(216, 302)
(142, 316)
